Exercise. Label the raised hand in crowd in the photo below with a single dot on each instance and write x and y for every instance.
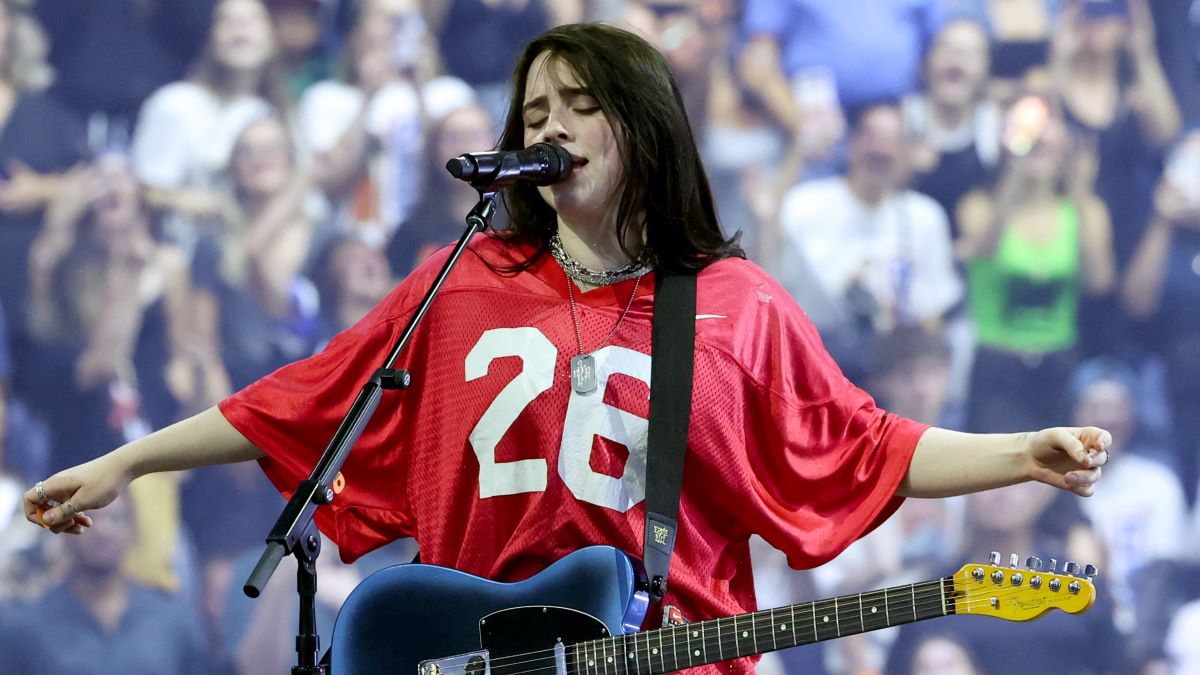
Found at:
(23, 190)
(1176, 208)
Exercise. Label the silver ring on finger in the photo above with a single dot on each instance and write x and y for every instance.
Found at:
(39, 488)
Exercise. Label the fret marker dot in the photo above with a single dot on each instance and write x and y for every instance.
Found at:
(695, 633)
(654, 651)
(632, 655)
(610, 659)
(591, 663)
(874, 609)
(745, 633)
(696, 653)
(783, 626)
(825, 619)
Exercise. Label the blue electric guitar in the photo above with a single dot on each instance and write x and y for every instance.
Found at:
(581, 616)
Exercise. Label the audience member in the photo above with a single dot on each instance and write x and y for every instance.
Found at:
(298, 29)
(1020, 32)
(24, 443)
(1162, 588)
(910, 375)
(440, 216)
(109, 319)
(494, 31)
(1035, 243)
(108, 308)
(109, 56)
(954, 125)
(38, 140)
(1183, 651)
(1136, 524)
(880, 254)
(776, 584)
(367, 131)
(114, 625)
(254, 309)
(1161, 289)
(796, 51)
(1113, 90)
(1027, 520)
(943, 655)
(251, 304)
(351, 277)
(186, 130)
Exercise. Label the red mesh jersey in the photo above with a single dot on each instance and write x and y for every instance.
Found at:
(501, 468)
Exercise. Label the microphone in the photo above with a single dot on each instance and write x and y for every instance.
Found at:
(541, 164)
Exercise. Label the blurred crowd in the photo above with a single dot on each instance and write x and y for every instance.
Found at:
(989, 208)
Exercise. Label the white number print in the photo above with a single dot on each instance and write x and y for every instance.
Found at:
(587, 417)
(537, 356)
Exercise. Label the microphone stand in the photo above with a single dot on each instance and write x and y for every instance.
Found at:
(294, 532)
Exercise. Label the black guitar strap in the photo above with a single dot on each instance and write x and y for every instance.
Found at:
(671, 371)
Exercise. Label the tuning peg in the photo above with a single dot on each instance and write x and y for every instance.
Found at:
(1070, 568)
(1013, 559)
(1053, 568)
(1090, 571)
(1034, 563)
(994, 558)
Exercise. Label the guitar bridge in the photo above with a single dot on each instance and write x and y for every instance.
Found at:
(479, 663)
(471, 663)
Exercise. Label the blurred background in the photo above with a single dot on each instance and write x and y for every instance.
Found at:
(989, 208)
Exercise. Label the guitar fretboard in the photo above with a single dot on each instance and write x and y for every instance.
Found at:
(696, 644)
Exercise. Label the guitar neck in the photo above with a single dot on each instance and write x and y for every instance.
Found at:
(697, 644)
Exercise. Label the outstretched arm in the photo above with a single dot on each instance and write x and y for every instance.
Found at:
(948, 463)
(201, 440)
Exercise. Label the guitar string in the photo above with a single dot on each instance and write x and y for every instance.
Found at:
(649, 657)
(734, 642)
(971, 599)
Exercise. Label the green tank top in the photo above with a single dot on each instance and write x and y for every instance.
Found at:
(1025, 297)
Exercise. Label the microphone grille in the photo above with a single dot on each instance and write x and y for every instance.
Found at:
(557, 159)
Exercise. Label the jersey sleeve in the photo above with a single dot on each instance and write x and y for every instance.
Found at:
(293, 413)
(821, 463)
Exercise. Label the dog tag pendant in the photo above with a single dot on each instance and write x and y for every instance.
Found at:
(583, 373)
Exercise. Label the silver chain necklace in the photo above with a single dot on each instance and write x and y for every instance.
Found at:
(577, 271)
(583, 364)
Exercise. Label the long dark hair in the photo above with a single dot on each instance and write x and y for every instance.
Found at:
(664, 178)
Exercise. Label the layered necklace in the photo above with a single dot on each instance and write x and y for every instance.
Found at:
(583, 364)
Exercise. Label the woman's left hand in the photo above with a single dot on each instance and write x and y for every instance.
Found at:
(1068, 457)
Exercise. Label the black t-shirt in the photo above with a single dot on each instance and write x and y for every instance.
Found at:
(44, 136)
(480, 43)
(253, 344)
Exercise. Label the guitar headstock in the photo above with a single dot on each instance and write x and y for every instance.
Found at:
(1022, 594)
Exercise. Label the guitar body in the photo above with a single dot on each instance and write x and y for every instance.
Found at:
(403, 615)
(581, 616)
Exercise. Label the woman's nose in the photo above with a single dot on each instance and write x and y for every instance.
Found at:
(555, 130)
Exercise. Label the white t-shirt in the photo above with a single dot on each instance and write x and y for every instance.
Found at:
(1141, 515)
(1183, 649)
(185, 134)
(394, 118)
(902, 243)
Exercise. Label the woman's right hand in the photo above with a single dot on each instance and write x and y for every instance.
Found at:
(60, 502)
